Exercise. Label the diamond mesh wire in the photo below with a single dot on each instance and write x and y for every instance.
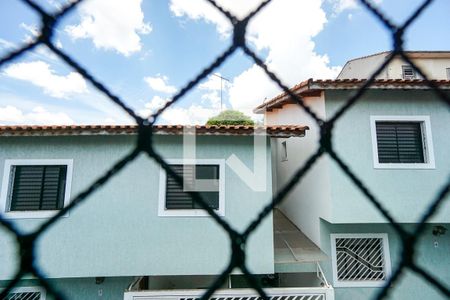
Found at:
(49, 22)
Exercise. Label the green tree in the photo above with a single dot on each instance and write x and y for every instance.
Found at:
(230, 117)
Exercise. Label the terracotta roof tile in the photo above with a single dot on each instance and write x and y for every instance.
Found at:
(231, 130)
(312, 85)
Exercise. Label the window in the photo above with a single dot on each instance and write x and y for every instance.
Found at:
(35, 188)
(448, 73)
(402, 142)
(284, 155)
(408, 72)
(360, 259)
(203, 176)
(26, 293)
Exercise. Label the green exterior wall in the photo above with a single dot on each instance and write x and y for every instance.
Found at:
(117, 231)
(406, 193)
(433, 259)
(84, 288)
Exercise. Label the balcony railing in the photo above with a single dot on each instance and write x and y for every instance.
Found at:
(316, 293)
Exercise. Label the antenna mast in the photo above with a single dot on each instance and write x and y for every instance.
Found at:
(221, 87)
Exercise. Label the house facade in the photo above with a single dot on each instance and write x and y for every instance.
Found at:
(139, 236)
(395, 140)
(435, 64)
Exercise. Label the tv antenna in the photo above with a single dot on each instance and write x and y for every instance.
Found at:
(221, 87)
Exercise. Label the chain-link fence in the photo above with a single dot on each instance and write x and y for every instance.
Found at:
(49, 23)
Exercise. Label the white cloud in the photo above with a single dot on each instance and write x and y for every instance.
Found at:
(55, 3)
(40, 74)
(212, 99)
(341, 5)
(202, 10)
(287, 42)
(212, 89)
(4, 44)
(159, 84)
(109, 121)
(214, 83)
(32, 32)
(10, 114)
(193, 115)
(111, 24)
(37, 116)
(58, 44)
(153, 106)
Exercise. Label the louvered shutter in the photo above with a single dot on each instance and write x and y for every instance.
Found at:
(38, 187)
(399, 142)
(24, 296)
(176, 198)
(408, 72)
(360, 259)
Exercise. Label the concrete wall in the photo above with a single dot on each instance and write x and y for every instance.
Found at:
(309, 200)
(406, 193)
(434, 68)
(117, 231)
(432, 257)
(363, 68)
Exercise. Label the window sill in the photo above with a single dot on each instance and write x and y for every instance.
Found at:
(47, 214)
(423, 166)
(188, 213)
(367, 283)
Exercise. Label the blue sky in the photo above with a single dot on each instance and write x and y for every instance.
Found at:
(145, 50)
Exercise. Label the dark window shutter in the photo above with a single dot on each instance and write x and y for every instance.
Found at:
(176, 198)
(38, 188)
(399, 142)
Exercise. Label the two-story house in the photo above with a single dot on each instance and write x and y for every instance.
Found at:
(140, 235)
(395, 138)
(435, 65)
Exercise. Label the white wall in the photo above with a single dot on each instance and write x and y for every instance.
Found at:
(405, 192)
(363, 68)
(434, 68)
(310, 199)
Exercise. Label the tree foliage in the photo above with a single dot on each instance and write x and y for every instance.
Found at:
(230, 117)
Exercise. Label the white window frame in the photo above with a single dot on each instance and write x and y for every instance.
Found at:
(30, 289)
(163, 212)
(427, 142)
(361, 283)
(7, 185)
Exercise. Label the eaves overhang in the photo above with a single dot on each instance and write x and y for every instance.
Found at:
(313, 87)
(282, 131)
